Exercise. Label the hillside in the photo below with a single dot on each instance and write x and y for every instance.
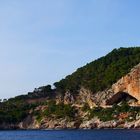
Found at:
(78, 100)
(95, 76)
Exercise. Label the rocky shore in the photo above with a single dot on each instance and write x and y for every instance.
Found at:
(64, 124)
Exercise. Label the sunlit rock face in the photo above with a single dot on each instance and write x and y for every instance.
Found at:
(129, 84)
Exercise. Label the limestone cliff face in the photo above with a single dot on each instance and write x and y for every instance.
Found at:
(129, 84)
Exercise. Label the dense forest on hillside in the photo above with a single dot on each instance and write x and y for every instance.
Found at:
(101, 73)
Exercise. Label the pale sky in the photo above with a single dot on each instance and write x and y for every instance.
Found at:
(42, 41)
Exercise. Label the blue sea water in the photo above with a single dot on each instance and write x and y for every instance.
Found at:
(71, 135)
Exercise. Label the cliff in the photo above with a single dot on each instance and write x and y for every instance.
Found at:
(129, 84)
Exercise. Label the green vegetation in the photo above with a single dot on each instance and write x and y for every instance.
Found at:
(14, 112)
(57, 111)
(44, 91)
(123, 111)
(101, 73)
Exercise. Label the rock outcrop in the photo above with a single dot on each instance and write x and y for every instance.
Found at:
(127, 85)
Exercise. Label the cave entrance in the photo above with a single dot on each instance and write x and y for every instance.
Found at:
(119, 97)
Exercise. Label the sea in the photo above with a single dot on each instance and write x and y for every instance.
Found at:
(105, 134)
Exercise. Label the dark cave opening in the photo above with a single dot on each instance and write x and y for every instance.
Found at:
(119, 97)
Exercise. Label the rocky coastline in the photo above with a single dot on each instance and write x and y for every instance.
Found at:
(63, 124)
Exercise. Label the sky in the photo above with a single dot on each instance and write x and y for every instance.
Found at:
(42, 41)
